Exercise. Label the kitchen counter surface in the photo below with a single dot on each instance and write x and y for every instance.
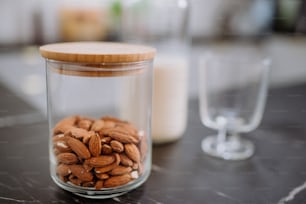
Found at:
(181, 172)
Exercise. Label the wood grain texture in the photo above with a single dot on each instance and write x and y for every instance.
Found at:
(97, 52)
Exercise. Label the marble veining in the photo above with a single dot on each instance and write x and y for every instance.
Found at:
(19, 201)
(117, 199)
(226, 196)
(157, 168)
(292, 194)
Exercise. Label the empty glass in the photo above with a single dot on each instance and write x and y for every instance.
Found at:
(232, 94)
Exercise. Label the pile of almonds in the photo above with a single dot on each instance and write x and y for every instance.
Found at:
(103, 153)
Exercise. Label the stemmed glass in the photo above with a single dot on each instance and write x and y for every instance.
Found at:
(232, 96)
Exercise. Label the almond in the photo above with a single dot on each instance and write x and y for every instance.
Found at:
(99, 184)
(87, 166)
(86, 138)
(120, 170)
(80, 172)
(117, 158)
(67, 158)
(134, 174)
(79, 148)
(106, 149)
(59, 137)
(97, 125)
(88, 184)
(132, 152)
(109, 124)
(105, 169)
(117, 180)
(122, 137)
(117, 146)
(61, 146)
(73, 179)
(102, 176)
(129, 129)
(106, 140)
(95, 146)
(77, 132)
(63, 178)
(63, 170)
(135, 166)
(101, 161)
(125, 160)
(111, 118)
(64, 124)
(84, 124)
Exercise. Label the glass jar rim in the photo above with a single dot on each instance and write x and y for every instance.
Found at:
(98, 69)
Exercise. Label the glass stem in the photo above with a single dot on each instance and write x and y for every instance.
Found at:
(222, 135)
(236, 140)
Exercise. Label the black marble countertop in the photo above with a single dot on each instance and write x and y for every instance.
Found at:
(181, 172)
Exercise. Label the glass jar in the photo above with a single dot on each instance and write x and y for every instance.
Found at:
(141, 23)
(97, 150)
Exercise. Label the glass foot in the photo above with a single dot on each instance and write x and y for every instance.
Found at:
(232, 149)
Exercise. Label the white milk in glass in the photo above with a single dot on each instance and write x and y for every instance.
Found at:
(169, 116)
(169, 111)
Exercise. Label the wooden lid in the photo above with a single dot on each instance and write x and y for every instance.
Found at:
(97, 52)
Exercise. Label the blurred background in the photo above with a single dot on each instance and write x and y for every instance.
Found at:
(274, 28)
